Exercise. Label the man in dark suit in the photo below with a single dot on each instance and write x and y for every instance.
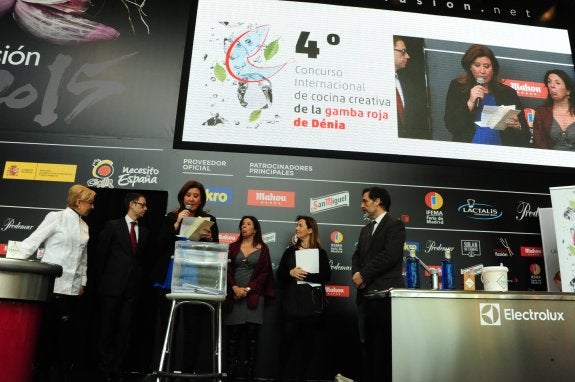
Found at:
(376, 266)
(121, 258)
(410, 92)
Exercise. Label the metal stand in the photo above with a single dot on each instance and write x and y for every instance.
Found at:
(214, 304)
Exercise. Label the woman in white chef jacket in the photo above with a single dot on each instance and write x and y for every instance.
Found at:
(65, 237)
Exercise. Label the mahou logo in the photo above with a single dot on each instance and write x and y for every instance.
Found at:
(227, 237)
(531, 251)
(527, 89)
(268, 198)
(337, 290)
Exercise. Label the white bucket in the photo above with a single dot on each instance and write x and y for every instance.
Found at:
(494, 278)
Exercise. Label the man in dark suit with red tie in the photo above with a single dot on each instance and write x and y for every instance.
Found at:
(121, 257)
(376, 266)
(410, 90)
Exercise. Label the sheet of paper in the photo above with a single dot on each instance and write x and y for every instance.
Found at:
(494, 117)
(308, 260)
(193, 226)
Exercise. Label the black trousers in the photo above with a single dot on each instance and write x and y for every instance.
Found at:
(299, 343)
(377, 350)
(116, 322)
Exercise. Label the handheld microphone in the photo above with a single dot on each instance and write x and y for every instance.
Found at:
(188, 207)
(479, 81)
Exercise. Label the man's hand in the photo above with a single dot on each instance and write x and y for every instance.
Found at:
(358, 280)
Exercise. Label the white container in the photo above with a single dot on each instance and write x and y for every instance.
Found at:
(200, 267)
(495, 278)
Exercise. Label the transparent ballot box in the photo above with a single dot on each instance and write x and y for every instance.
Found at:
(200, 267)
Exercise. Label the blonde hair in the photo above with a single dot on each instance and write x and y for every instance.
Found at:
(79, 192)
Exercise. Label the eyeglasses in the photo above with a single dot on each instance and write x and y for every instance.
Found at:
(402, 51)
(140, 203)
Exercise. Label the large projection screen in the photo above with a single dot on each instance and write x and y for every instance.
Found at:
(319, 79)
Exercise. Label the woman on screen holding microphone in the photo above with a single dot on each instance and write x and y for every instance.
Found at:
(554, 123)
(191, 199)
(476, 87)
(303, 271)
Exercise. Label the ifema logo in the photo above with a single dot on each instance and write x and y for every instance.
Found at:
(489, 314)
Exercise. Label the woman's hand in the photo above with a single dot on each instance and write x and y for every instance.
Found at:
(513, 122)
(240, 292)
(181, 216)
(206, 234)
(477, 92)
(298, 273)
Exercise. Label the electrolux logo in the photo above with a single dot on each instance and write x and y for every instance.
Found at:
(479, 211)
(491, 314)
(219, 195)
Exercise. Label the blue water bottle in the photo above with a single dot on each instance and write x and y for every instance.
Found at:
(411, 271)
(447, 276)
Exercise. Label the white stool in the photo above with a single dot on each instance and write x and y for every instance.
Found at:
(214, 303)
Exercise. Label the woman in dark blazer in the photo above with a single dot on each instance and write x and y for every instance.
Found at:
(478, 86)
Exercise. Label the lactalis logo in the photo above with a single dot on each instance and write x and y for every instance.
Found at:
(489, 314)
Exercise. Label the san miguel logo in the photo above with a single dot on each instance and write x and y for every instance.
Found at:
(329, 202)
(268, 198)
(479, 211)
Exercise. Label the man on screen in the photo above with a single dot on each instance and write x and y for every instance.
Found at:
(411, 100)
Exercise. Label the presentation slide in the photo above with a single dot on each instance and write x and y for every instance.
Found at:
(294, 75)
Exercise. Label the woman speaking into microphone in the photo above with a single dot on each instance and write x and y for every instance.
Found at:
(191, 199)
(476, 87)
